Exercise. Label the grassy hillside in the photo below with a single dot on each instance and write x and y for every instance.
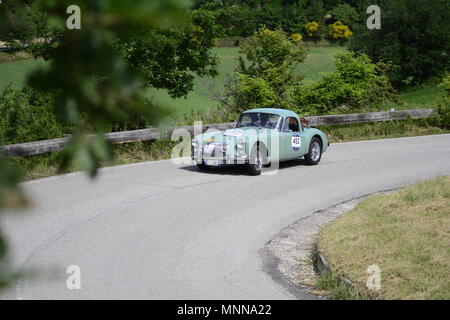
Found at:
(320, 60)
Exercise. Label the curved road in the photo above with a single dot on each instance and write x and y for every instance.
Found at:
(165, 231)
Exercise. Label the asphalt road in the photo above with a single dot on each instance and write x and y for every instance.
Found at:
(165, 231)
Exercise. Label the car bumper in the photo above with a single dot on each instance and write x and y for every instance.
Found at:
(221, 161)
(218, 156)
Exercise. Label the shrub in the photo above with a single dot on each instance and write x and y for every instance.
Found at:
(265, 78)
(27, 115)
(346, 14)
(443, 106)
(21, 25)
(354, 86)
(339, 31)
(254, 92)
(296, 37)
(312, 29)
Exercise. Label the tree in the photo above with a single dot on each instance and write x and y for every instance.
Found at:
(21, 24)
(169, 59)
(265, 77)
(316, 10)
(414, 36)
(346, 14)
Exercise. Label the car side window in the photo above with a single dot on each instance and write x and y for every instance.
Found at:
(291, 125)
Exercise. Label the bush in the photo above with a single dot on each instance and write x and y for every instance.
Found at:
(443, 106)
(266, 76)
(22, 25)
(312, 30)
(339, 31)
(346, 14)
(353, 87)
(27, 115)
(414, 36)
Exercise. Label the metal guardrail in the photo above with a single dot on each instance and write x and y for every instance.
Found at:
(151, 134)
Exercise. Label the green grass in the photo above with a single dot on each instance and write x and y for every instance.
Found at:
(335, 288)
(6, 57)
(319, 60)
(424, 96)
(15, 73)
(406, 234)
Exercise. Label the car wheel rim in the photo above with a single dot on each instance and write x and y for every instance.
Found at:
(315, 151)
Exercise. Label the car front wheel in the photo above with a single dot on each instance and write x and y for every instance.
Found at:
(256, 161)
(314, 154)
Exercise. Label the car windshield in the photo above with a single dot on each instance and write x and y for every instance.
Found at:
(258, 119)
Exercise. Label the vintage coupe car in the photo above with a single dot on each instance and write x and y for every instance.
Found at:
(261, 137)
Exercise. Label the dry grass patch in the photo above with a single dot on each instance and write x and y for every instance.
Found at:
(406, 234)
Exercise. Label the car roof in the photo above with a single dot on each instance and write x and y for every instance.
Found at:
(280, 112)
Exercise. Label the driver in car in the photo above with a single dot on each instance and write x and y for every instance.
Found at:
(293, 125)
(265, 121)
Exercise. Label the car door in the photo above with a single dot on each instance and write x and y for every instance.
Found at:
(291, 140)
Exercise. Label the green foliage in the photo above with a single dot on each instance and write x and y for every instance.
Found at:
(245, 17)
(345, 13)
(313, 30)
(443, 106)
(337, 289)
(21, 24)
(339, 31)
(237, 19)
(27, 115)
(414, 36)
(170, 59)
(354, 86)
(315, 10)
(254, 92)
(265, 77)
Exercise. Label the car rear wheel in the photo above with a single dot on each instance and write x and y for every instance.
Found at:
(314, 154)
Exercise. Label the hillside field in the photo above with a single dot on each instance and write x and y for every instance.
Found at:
(320, 60)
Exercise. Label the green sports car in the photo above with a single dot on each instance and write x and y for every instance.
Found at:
(261, 137)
